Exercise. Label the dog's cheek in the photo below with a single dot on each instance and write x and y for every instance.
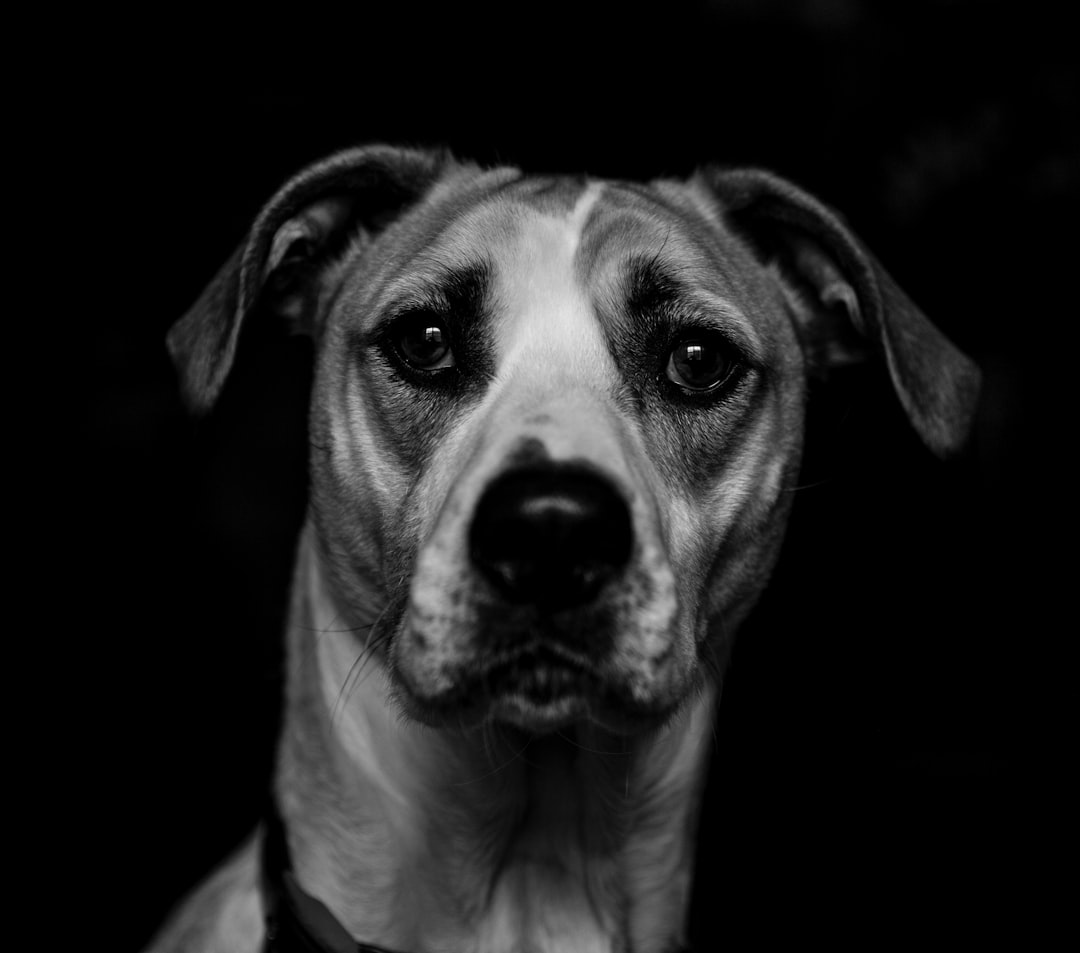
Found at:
(724, 531)
(432, 486)
(741, 559)
(410, 423)
(384, 433)
(358, 488)
(429, 558)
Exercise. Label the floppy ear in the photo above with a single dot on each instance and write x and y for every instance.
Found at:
(833, 273)
(297, 232)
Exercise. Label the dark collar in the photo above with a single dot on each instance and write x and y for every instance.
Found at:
(295, 921)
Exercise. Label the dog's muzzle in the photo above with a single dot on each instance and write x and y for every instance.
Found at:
(550, 538)
(539, 608)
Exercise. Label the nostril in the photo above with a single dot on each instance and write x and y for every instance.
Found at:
(550, 537)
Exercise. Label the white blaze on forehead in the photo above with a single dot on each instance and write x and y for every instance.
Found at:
(546, 306)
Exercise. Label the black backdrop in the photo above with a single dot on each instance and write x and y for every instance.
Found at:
(888, 744)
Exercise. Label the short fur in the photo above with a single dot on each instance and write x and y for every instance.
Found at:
(437, 792)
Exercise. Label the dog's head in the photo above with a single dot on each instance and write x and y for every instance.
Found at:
(557, 420)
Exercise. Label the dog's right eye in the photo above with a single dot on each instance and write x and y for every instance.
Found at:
(700, 363)
(423, 342)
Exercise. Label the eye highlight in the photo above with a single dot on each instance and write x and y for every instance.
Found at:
(423, 342)
(701, 361)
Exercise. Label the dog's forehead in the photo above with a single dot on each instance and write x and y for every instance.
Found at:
(605, 222)
(592, 233)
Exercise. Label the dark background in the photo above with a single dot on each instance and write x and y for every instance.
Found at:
(888, 749)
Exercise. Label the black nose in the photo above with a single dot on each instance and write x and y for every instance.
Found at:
(550, 537)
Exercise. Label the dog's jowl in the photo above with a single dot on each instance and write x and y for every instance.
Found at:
(555, 423)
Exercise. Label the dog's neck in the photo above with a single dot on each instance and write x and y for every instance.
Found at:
(422, 839)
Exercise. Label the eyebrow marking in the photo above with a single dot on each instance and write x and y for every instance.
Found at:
(650, 286)
(655, 295)
(461, 290)
(457, 292)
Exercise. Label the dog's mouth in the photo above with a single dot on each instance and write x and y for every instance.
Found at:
(540, 689)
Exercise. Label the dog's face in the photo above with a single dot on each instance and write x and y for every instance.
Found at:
(556, 424)
(540, 422)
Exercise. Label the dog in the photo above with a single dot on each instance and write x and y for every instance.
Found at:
(555, 424)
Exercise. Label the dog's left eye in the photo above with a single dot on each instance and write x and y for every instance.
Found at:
(423, 342)
(702, 362)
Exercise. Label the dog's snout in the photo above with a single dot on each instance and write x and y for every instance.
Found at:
(550, 538)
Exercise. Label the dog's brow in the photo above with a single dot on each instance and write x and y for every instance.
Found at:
(458, 289)
(650, 286)
(465, 287)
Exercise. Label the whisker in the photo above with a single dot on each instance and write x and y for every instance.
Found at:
(325, 629)
(825, 481)
(375, 639)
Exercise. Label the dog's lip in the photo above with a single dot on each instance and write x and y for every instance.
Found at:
(540, 688)
(542, 669)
